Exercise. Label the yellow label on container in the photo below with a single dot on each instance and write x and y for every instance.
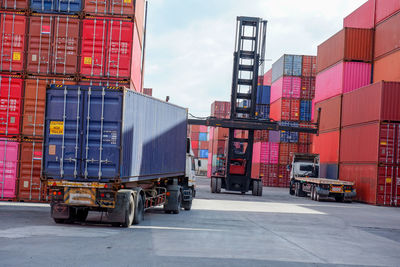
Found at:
(17, 56)
(127, 1)
(87, 60)
(57, 127)
(388, 180)
(304, 88)
(383, 143)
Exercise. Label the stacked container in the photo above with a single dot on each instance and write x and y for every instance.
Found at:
(62, 42)
(199, 138)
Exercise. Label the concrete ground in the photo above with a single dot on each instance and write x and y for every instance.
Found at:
(226, 229)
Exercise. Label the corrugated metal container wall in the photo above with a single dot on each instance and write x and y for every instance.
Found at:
(262, 111)
(387, 68)
(147, 144)
(56, 6)
(35, 103)
(12, 42)
(139, 16)
(8, 168)
(307, 88)
(378, 101)
(286, 152)
(387, 36)
(268, 78)
(288, 87)
(203, 153)
(30, 187)
(283, 176)
(261, 135)
(53, 45)
(263, 95)
(309, 66)
(363, 17)
(349, 44)
(285, 109)
(287, 65)
(10, 108)
(21, 5)
(370, 143)
(386, 8)
(203, 137)
(221, 109)
(305, 110)
(330, 117)
(305, 138)
(109, 7)
(204, 145)
(342, 78)
(136, 69)
(327, 146)
(104, 82)
(289, 137)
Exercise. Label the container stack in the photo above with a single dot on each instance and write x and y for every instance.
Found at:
(292, 92)
(199, 141)
(62, 42)
(343, 65)
(218, 138)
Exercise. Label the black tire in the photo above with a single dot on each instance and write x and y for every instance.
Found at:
(339, 198)
(81, 214)
(187, 205)
(139, 211)
(312, 195)
(129, 212)
(317, 197)
(301, 192)
(291, 189)
(296, 189)
(255, 188)
(115, 224)
(179, 204)
(219, 185)
(260, 189)
(213, 185)
(59, 220)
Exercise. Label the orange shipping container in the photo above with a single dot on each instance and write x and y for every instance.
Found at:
(387, 68)
(327, 146)
(387, 36)
(285, 109)
(286, 152)
(330, 113)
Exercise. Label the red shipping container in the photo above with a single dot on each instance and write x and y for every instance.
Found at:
(305, 138)
(386, 8)
(378, 185)
(195, 144)
(53, 45)
(196, 153)
(378, 101)
(218, 147)
(203, 129)
(204, 145)
(109, 7)
(286, 152)
(269, 174)
(261, 135)
(285, 110)
(283, 176)
(30, 187)
(387, 68)
(34, 104)
(104, 82)
(10, 105)
(370, 143)
(136, 68)
(139, 17)
(387, 36)
(220, 133)
(363, 17)
(194, 128)
(342, 78)
(268, 78)
(221, 109)
(327, 146)
(8, 168)
(305, 148)
(349, 44)
(106, 49)
(307, 87)
(194, 136)
(286, 87)
(330, 116)
(12, 42)
(14, 4)
(309, 66)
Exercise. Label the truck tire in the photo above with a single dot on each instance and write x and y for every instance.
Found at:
(213, 185)
(317, 197)
(187, 205)
(219, 185)
(296, 189)
(291, 189)
(255, 188)
(312, 195)
(300, 190)
(139, 210)
(339, 198)
(260, 189)
(174, 201)
(129, 212)
(81, 214)
(179, 204)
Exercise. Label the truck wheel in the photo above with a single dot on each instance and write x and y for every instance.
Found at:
(219, 185)
(139, 210)
(339, 198)
(213, 185)
(129, 212)
(313, 189)
(260, 189)
(81, 214)
(317, 197)
(187, 205)
(296, 189)
(255, 188)
(178, 205)
(301, 192)
(291, 189)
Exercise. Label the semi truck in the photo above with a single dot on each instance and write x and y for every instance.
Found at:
(115, 151)
(305, 180)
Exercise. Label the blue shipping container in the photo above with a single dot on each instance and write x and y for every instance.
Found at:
(305, 110)
(95, 133)
(262, 112)
(202, 136)
(289, 137)
(203, 154)
(263, 95)
(56, 6)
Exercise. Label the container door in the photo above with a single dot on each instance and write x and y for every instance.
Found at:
(10, 105)
(8, 168)
(122, 7)
(12, 42)
(69, 6)
(101, 142)
(43, 5)
(62, 155)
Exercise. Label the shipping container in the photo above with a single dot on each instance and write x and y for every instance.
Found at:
(194, 136)
(56, 6)
(8, 168)
(203, 153)
(378, 101)
(329, 171)
(307, 90)
(110, 8)
(309, 68)
(136, 63)
(304, 148)
(148, 91)
(34, 104)
(330, 116)
(363, 17)
(88, 122)
(289, 137)
(378, 185)
(203, 145)
(194, 128)
(376, 142)
(262, 112)
(283, 176)
(203, 137)
(12, 42)
(261, 135)
(341, 78)
(195, 152)
(195, 144)
(387, 68)
(265, 152)
(10, 105)
(286, 152)
(274, 136)
(220, 133)
(387, 36)
(305, 110)
(285, 109)
(105, 82)
(268, 77)
(53, 43)
(287, 87)
(287, 65)
(305, 138)
(17, 5)
(221, 109)
(327, 146)
(203, 129)
(349, 44)
(263, 94)
(30, 186)
(386, 8)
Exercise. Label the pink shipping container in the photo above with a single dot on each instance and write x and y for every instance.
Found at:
(136, 69)
(386, 8)
(10, 105)
(363, 17)
(203, 129)
(341, 78)
(287, 87)
(8, 168)
(268, 78)
(12, 42)
(266, 152)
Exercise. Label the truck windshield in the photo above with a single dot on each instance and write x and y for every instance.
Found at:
(306, 168)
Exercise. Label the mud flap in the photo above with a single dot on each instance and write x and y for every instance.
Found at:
(60, 211)
(117, 214)
(172, 201)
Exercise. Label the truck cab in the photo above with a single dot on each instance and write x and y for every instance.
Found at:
(304, 165)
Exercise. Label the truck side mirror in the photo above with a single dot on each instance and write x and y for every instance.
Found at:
(199, 163)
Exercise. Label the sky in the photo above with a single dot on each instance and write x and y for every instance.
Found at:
(190, 43)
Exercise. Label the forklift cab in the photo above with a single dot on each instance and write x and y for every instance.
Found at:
(237, 166)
